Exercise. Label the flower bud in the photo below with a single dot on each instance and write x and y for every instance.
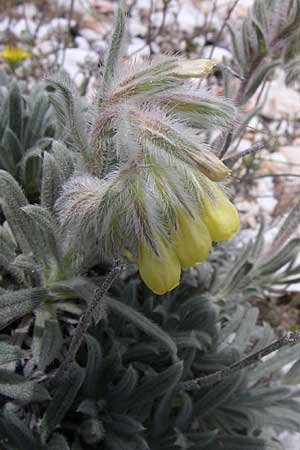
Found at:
(196, 68)
(192, 241)
(160, 273)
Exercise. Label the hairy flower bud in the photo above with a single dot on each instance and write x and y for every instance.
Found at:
(196, 68)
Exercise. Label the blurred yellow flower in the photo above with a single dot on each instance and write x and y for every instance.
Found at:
(13, 54)
(160, 273)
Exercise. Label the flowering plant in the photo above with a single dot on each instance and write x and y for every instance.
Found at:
(148, 185)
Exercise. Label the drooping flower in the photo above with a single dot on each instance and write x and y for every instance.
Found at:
(191, 239)
(159, 272)
(149, 183)
(218, 213)
(13, 54)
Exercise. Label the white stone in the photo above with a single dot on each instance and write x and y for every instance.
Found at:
(143, 4)
(265, 197)
(27, 9)
(81, 42)
(136, 28)
(22, 26)
(290, 441)
(48, 29)
(218, 54)
(4, 24)
(189, 17)
(137, 46)
(90, 35)
(74, 57)
(282, 101)
(44, 47)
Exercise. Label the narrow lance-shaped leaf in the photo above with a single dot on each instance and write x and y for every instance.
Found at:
(93, 368)
(115, 51)
(9, 353)
(58, 442)
(17, 432)
(51, 182)
(44, 223)
(62, 401)
(143, 323)
(69, 109)
(19, 388)
(31, 169)
(156, 385)
(34, 126)
(16, 304)
(11, 199)
(52, 342)
(16, 109)
(13, 145)
(64, 158)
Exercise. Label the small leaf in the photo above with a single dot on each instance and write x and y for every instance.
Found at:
(125, 424)
(19, 388)
(51, 182)
(31, 170)
(156, 385)
(218, 395)
(57, 442)
(115, 51)
(64, 158)
(9, 353)
(62, 401)
(16, 109)
(16, 304)
(92, 383)
(12, 145)
(36, 125)
(17, 433)
(52, 342)
(144, 324)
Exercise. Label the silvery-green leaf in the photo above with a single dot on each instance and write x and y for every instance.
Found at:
(57, 442)
(19, 388)
(51, 182)
(9, 353)
(62, 401)
(16, 109)
(16, 304)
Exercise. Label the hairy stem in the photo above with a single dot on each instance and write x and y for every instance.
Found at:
(85, 321)
(216, 377)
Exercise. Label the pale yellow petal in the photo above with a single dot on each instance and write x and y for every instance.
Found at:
(161, 274)
(219, 215)
(192, 241)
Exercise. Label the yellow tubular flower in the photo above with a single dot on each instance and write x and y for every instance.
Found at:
(161, 274)
(192, 241)
(219, 215)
